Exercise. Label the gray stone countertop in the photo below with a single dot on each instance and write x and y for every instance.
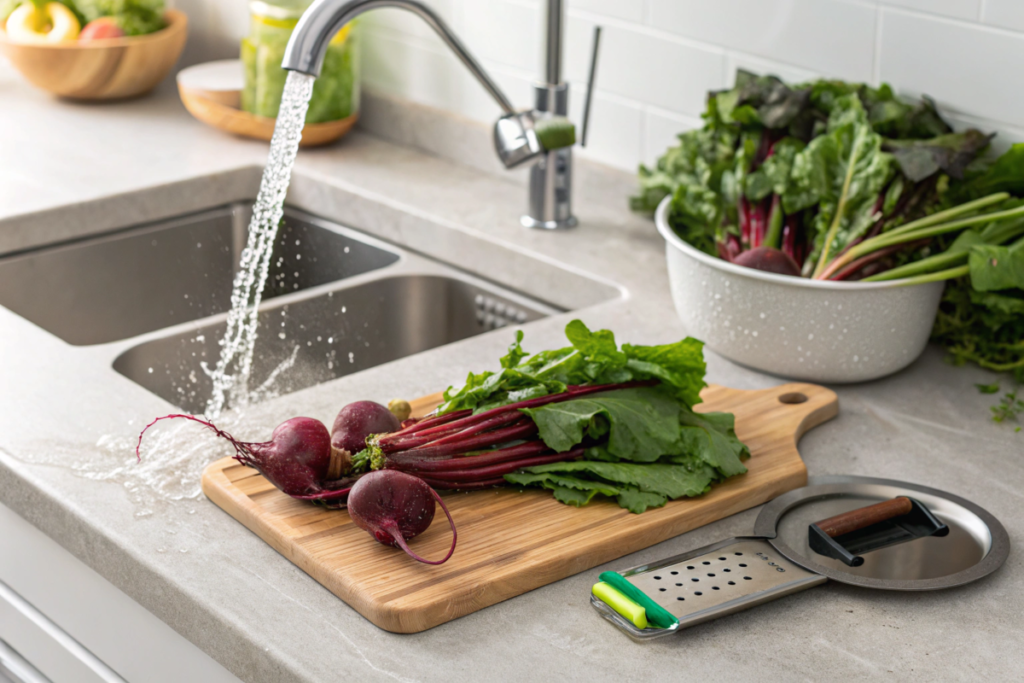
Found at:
(69, 170)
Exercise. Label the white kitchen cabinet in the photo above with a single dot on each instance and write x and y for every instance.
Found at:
(62, 622)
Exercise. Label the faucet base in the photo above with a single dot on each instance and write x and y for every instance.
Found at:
(563, 224)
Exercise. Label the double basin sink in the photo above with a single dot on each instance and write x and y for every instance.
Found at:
(336, 301)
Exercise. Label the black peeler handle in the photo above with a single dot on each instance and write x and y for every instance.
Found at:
(847, 536)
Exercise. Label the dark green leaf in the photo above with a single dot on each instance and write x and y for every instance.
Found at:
(952, 153)
(643, 423)
(988, 388)
(995, 268)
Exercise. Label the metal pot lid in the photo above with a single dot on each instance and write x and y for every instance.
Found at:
(976, 546)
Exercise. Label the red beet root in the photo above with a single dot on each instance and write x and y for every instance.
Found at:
(358, 420)
(396, 507)
(769, 260)
(296, 459)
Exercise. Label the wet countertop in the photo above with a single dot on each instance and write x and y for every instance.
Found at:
(66, 421)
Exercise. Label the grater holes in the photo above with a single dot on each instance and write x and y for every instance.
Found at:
(726, 570)
(710, 574)
(680, 598)
(746, 578)
(698, 593)
(714, 588)
(679, 585)
(657, 578)
(722, 559)
(673, 573)
(705, 562)
(737, 553)
(662, 589)
(694, 579)
(732, 583)
(689, 566)
(742, 565)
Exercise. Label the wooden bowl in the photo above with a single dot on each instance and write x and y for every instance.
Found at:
(109, 69)
(220, 109)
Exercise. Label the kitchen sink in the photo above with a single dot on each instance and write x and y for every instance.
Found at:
(312, 340)
(152, 302)
(123, 285)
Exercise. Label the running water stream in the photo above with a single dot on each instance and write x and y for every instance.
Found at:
(231, 375)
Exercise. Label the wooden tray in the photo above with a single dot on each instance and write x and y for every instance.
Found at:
(511, 542)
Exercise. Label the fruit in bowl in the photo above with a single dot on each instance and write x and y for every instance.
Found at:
(103, 28)
(92, 49)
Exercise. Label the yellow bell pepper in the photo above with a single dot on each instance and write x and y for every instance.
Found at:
(42, 22)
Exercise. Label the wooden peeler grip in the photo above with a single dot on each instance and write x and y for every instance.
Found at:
(865, 516)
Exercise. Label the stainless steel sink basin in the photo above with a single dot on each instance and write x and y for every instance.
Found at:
(152, 302)
(123, 285)
(314, 339)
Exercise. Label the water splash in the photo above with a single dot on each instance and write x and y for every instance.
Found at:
(231, 375)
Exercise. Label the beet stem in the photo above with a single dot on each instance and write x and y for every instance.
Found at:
(519, 430)
(465, 486)
(530, 448)
(481, 473)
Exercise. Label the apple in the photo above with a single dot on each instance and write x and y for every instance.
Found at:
(101, 29)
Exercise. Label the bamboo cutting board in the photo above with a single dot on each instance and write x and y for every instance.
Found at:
(511, 542)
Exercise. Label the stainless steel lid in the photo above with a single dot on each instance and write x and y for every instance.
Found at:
(976, 546)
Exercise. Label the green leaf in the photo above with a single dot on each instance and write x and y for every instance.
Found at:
(637, 501)
(642, 424)
(844, 171)
(996, 268)
(773, 175)
(1005, 175)
(712, 437)
(673, 481)
(988, 388)
(952, 153)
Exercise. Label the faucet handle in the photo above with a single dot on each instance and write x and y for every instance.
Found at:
(515, 139)
(591, 76)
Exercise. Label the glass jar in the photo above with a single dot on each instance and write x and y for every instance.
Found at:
(336, 91)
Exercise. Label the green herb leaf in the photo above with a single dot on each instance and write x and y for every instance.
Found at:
(988, 388)
(995, 268)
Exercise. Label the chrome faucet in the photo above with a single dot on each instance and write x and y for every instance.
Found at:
(515, 140)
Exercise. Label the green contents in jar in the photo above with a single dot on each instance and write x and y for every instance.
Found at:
(336, 91)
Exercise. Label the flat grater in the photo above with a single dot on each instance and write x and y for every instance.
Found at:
(739, 573)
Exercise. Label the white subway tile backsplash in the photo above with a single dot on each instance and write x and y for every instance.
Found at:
(1008, 14)
(661, 131)
(958, 9)
(406, 23)
(966, 67)
(630, 10)
(765, 67)
(660, 57)
(831, 36)
(645, 68)
(615, 130)
(410, 70)
(505, 32)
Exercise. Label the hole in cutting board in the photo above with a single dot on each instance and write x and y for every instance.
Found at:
(793, 398)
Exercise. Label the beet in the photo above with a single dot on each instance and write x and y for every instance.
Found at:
(296, 460)
(396, 507)
(358, 420)
(768, 259)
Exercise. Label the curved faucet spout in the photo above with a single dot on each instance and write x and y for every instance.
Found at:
(324, 18)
